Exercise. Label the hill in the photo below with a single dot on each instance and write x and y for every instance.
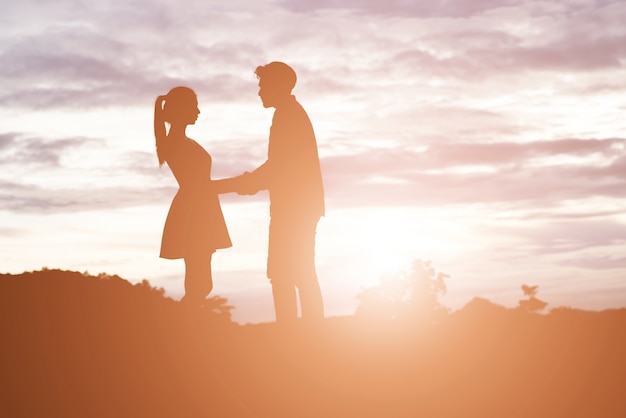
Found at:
(75, 345)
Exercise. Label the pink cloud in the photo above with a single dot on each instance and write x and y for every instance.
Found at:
(429, 177)
(462, 8)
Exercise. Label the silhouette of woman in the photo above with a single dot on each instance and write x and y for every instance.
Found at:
(195, 225)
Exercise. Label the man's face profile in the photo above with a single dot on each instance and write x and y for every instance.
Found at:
(267, 94)
(272, 92)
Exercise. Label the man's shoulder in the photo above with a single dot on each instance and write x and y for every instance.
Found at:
(290, 105)
(292, 110)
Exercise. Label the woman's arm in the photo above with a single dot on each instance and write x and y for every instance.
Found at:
(239, 184)
(247, 183)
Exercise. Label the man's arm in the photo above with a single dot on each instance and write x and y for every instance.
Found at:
(259, 178)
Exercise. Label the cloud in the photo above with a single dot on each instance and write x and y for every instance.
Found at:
(573, 54)
(462, 8)
(534, 173)
(505, 153)
(93, 58)
(597, 263)
(495, 155)
(10, 232)
(24, 198)
(570, 242)
(125, 53)
(506, 56)
(100, 71)
(17, 149)
(7, 140)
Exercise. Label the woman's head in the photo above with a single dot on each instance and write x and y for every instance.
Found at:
(181, 106)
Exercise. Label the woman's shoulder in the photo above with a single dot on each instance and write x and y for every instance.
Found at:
(195, 144)
(197, 149)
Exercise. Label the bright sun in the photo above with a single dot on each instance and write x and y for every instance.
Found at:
(379, 242)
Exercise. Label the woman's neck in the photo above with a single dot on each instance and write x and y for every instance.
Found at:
(177, 130)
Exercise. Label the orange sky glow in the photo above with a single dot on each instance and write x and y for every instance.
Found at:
(486, 136)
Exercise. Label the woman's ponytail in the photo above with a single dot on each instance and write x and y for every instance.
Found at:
(160, 135)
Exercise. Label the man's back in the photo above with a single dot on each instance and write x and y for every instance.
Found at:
(295, 179)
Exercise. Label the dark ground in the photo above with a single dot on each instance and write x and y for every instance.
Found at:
(75, 345)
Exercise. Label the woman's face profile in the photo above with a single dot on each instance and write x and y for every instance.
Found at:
(192, 111)
(186, 111)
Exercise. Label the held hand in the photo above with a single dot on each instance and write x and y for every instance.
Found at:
(245, 185)
(242, 184)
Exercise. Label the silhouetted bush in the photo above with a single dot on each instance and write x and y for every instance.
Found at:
(531, 304)
(412, 297)
(104, 296)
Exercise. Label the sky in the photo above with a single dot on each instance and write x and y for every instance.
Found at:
(486, 136)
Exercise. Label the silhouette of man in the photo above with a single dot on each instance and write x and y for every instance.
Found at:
(292, 175)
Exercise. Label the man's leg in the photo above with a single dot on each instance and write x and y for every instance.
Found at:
(285, 301)
(278, 260)
(311, 302)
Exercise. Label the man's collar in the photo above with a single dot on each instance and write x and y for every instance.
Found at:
(287, 100)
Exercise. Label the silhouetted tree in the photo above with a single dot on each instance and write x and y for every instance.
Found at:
(409, 296)
(218, 306)
(532, 304)
(145, 284)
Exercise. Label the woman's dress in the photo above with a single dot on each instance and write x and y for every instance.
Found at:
(195, 223)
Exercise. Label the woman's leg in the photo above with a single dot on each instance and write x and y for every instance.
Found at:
(198, 279)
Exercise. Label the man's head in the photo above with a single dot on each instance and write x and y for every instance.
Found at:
(276, 80)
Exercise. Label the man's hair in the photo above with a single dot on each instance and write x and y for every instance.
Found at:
(277, 74)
